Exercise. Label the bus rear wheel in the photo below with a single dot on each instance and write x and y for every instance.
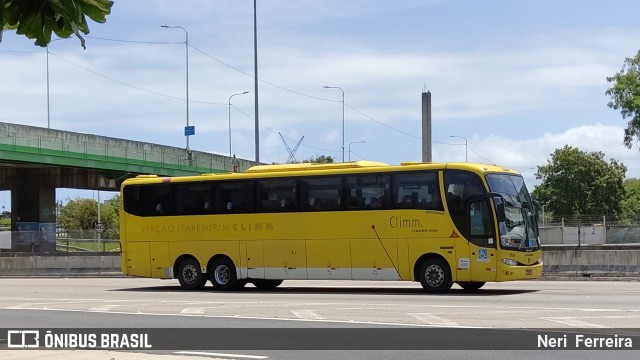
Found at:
(190, 276)
(471, 285)
(222, 274)
(435, 276)
(266, 284)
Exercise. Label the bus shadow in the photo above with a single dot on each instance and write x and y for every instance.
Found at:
(327, 290)
(386, 291)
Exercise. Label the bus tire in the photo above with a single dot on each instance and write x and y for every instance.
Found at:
(222, 275)
(435, 275)
(190, 276)
(471, 285)
(266, 284)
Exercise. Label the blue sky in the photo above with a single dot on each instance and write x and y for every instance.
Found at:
(518, 79)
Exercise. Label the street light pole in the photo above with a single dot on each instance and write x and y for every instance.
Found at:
(339, 88)
(186, 42)
(255, 82)
(48, 108)
(465, 145)
(242, 93)
(354, 142)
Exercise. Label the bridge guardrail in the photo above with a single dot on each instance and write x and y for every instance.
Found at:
(28, 139)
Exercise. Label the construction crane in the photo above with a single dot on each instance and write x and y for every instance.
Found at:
(292, 153)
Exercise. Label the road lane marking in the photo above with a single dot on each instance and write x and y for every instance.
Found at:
(104, 308)
(192, 311)
(23, 306)
(237, 356)
(307, 314)
(432, 319)
(570, 321)
(260, 318)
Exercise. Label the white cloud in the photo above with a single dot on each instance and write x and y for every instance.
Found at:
(526, 155)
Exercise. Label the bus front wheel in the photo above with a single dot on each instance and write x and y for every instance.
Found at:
(190, 276)
(435, 276)
(222, 274)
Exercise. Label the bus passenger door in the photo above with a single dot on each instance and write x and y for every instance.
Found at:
(482, 242)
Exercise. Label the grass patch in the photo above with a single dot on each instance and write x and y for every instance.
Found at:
(93, 246)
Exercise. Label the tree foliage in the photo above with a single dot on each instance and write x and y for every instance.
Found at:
(625, 96)
(322, 159)
(631, 203)
(82, 214)
(37, 19)
(575, 182)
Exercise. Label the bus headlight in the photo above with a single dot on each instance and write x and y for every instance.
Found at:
(511, 262)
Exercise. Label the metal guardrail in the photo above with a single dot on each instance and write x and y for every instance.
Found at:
(550, 220)
(32, 242)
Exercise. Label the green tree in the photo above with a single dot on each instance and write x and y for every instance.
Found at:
(37, 19)
(625, 96)
(323, 159)
(82, 214)
(631, 203)
(575, 182)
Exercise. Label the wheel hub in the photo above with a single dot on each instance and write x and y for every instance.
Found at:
(190, 274)
(434, 275)
(222, 275)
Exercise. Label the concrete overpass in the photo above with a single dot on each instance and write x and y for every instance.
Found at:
(35, 161)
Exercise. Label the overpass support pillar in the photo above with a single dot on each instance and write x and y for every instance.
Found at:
(33, 214)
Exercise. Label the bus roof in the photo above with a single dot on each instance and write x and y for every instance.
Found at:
(314, 166)
(278, 170)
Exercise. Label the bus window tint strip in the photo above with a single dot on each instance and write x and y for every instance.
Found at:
(314, 193)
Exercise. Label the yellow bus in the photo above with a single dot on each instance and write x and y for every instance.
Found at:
(437, 224)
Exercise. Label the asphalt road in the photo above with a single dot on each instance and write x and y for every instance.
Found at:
(117, 303)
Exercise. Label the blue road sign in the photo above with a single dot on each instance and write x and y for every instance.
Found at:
(189, 130)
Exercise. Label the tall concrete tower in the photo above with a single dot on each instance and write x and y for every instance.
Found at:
(426, 126)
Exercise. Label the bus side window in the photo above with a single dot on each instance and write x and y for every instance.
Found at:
(192, 198)
(277, 195)
(417, 191)
(461, 187)
(133, 203)
(163, 198)
(481, 226)
(321, 193)
(367, 191)
(234, 197)
(454, 201)
(287, 204)
(435, 203)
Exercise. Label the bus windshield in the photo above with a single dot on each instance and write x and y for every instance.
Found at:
(520, 228)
